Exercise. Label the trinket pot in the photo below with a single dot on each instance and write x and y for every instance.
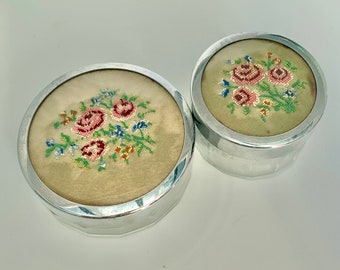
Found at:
(108, 147)
(256, 98)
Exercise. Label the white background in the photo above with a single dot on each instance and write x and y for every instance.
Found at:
(291, 221)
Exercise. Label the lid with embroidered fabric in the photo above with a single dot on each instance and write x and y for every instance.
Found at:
(106, 137)
(258, 87)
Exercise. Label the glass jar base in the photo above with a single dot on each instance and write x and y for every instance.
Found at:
(243, 167)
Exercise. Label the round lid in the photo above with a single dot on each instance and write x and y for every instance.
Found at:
(106, 136)
(256, 85)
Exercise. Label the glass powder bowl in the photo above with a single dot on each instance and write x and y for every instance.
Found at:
(108, 148)
(256, 98)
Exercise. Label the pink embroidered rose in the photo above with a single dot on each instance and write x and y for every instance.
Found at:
(243, 96)
(247, 74)
(279, 75)
(89, 121)
(93, 150)
(123, 110)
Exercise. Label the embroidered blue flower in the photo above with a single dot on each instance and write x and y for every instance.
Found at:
(102, 164)
(225, 92)
(119, 132)
(225, 84)
(96, 100)
(229, 62)
(139, 125)
(59, 152)
(50, 142)
(289, 93)
(108, 93)
(248, 58)
(73, 148)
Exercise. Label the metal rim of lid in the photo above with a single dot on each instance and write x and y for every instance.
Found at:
(218, 134)
(76, 209)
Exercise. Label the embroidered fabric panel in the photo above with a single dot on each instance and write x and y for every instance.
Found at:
(106, 137)
(111, 127)
(258, 87)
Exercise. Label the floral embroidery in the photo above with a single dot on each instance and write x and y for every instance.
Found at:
(110, 127)
(123, 110)
(243, 96)
(119, 132)
(247, 73)
(279, 75)
(91, 120)
(140, 125)
(289, 93)
(93, 150)
(263, 85)
(66, 118)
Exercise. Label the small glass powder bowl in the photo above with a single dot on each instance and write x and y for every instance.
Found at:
(108, 148)
(256, 98)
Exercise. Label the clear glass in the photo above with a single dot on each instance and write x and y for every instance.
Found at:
(247, 166)
(244, 155)
(125, 217)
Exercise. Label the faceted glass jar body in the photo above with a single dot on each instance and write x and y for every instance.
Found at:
(108, 147)
(256, 98)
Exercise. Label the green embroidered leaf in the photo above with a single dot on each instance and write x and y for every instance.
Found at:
(277, 108)
(100, 168)
(142, 105)
(264, 86)
(299, 84)
(139, 143)
(65, 138)
(105, 132)
(82, 162)
(295, 84)
(113, 157)
(96, 134)
(231, 106)
(269, 63)
(133, 98)
(289, 107)
(49, 151)
(142, 115)
(263, 118)
(127, 137)
(56, 124)
(149, 140)
(246, 110)
(226, 72)
(111, 127)
(264, 63)
(123, 145)
(139, 152)
(105, 105)
(82, 107)
(124, 125)
(238, 61)
(290, 66)
(113, 141)
(125, 97)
